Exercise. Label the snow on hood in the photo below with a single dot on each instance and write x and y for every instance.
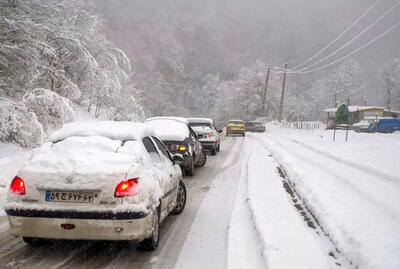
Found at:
(117, 130)
(85, 159)
(168, 129)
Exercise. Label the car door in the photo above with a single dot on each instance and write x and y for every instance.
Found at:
(160, 173)
(174, 174)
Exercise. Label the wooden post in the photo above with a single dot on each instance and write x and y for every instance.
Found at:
(282, 93)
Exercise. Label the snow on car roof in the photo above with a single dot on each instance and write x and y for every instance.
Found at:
(181, 119)
(201, 120)
(168, 129)
(117, 130)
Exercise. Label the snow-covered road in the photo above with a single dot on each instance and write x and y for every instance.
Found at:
(183, 237)
(279, 200)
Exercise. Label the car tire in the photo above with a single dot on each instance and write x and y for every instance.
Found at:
(214, 150)
(244, 134)
(227, 134)
(203, 160)
(35, 242)
(219, 146)
(180, 199)
(151, 243)
(189, 170)
(389, 130)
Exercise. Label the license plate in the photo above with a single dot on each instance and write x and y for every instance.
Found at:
(69, 197)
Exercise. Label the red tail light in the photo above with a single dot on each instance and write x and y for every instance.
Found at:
(18, 186)
(127, 187)
(210, 135)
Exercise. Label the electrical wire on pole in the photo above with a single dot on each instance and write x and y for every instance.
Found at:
(353, 39)
(351, 53)
(368, 10)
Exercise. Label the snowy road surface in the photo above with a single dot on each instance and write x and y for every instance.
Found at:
(279, 200)
(181, 236)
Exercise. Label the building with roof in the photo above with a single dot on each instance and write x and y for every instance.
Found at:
(358, 113)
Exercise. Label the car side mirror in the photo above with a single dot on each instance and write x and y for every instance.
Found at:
(220, 131)
(177, 159)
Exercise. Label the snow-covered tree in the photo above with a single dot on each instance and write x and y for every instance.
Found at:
(390, 83)
(345, 82)
(53, 52)
(19, 125)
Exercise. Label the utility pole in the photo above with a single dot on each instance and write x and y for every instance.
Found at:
(264, 96)
(282, 93)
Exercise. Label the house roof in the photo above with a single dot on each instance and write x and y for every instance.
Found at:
(356, 108)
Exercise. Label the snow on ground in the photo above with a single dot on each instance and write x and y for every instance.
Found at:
(352, 188)
(212, 220)
(284, 241)
(11, 159)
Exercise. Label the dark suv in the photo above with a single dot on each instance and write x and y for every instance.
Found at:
(176, 134)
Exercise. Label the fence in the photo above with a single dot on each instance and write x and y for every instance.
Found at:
(303, 125)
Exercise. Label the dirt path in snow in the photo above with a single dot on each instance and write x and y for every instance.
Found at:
(14, 253)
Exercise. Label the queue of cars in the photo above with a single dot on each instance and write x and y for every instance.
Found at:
(105, 180)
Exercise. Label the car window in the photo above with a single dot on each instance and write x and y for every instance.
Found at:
(162, 148)
(152, 150)
(192, 133)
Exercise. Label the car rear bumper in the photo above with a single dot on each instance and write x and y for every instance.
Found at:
(92, 226)
(235, 131)
(208, 145)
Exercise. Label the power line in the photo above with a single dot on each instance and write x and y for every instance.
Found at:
(354, 38)
(350, 54)
(339, 36)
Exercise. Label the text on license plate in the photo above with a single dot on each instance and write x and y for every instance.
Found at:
(68, 196)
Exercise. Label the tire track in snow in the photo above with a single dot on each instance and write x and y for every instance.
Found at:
(363, 168)
(245, 249)
(367, 196)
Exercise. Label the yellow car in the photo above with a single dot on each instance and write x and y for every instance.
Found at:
(235, 127)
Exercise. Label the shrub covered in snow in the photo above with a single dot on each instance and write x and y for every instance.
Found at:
(19, 125)
(50, 108)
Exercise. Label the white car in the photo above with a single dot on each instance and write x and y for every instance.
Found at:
(97, 181)
(207, 133)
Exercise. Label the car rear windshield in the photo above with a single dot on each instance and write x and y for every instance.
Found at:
(195, 124)
(235, 121)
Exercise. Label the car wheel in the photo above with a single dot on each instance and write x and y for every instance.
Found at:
(390, 130)
(214, 150)
(227, 134)
(244, 134)
(35, 242)
(180, 199)
(151, 243)
(189, 170)
(219, 146)
(203, 160)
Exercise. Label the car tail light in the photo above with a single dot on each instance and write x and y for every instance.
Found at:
(18, 186)
(176, 147)
(68, 226)
(182, 148)
(127, 187)
(210, 135)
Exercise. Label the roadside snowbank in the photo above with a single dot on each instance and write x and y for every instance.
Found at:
(352, 188)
